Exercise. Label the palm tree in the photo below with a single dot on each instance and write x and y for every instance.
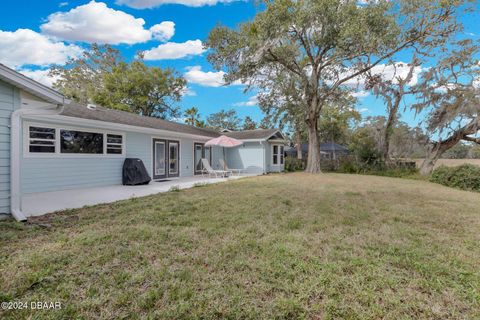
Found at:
(192, 117)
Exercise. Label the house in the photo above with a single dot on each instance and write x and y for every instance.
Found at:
(48, 143)
(328, 150)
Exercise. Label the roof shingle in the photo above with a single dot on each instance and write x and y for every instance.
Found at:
(127, 118)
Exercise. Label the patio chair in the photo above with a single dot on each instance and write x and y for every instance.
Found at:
(210, 171)
(225, 167)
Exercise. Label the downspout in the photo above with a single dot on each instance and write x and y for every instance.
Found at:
(264, 160)
(15, 136)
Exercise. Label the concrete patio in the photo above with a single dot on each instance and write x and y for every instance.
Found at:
(36, 204)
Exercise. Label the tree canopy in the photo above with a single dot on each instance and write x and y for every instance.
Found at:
(322, 45)
(101, 76)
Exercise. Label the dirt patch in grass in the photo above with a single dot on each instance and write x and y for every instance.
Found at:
(283, 246)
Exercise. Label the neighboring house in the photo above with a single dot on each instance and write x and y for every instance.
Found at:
(48, 143)
(328, 150)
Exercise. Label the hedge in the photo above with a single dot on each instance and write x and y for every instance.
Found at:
(465, 177)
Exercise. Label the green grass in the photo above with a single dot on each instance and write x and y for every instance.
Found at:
(292, 246)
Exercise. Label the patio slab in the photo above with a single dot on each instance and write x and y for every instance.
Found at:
(36, 204)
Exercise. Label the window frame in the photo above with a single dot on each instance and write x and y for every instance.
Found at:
(58, 153)
(278, 156)
(54, 140)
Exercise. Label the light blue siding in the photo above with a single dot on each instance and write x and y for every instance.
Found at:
(9, 101)
(139, 145)
(59, 173)
(249, 156)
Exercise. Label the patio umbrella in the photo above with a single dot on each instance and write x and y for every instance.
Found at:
(224, 142)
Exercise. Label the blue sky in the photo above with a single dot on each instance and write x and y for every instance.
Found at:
(54, 31)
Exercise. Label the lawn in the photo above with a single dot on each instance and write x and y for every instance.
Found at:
(282, 246)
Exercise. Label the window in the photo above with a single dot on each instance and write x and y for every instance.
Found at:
(277, 154)
(114, 144)
(41, 140)
(52, 140)
(81, 142)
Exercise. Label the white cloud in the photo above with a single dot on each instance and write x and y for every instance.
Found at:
(188, 92)
(390, 72)
(252, 101)
(95, 22)
(360, 94)
(195, 75)
(173, 50)
(207, 79)
(27, 47)
(63, 4)
(40, 76)
(362, 110)
(163, 31)
(147, 4)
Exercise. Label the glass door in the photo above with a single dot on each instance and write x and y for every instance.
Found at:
(159, 159)
(173, 159)
(198, 154)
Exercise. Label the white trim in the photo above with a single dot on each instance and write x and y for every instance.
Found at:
(278, 155)
(15, 154)
(114, 126)
(32, 86)
(57, 153)
(278, 131)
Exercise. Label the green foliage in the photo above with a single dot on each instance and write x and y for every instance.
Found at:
(192, 117)
(364, 146)
(138, 88)
(249, 124)
(81, 79)
(465, 177)
(224, 119)
(293, 164)
(336, 121)
(101, 76)
(379, 168)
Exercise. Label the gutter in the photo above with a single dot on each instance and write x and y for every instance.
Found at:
(15, 136)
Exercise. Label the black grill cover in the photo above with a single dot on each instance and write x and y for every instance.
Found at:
(134, 172)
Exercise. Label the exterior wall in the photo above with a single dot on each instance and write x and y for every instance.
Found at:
(269, 162)
(249, 156)
(9, 101)
(52, 173)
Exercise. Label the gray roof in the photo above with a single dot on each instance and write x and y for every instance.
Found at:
(131, 119)
(256, 134)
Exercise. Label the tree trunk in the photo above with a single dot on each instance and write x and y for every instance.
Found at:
(429, 163)
(392, 118)
(298, 144)
(438, 148)
(313, 160)
(386, 138)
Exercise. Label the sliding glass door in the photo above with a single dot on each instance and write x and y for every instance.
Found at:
(166, 158)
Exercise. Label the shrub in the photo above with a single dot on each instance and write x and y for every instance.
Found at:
(293, 164)
(465, 177)
(378, 168)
